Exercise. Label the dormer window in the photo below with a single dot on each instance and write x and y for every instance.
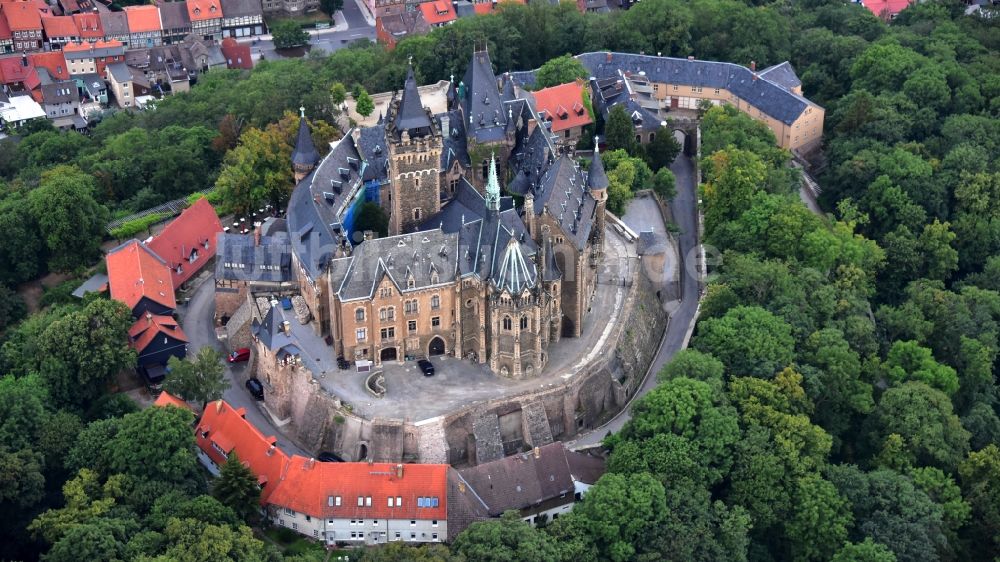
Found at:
(197, 11)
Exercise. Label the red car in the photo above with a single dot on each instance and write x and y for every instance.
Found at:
(240, 355)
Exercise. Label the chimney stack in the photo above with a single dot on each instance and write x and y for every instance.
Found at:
(149, 318)
(461, 486)
(608, 58)
(690, 57)
(445, 125)
(256, 233)
(754, 76)
(24, 60)
(538, 452)
(399, 471)
(753, 66)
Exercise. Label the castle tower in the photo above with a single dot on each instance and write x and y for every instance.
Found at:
(304, 157)
(485, 117)
(597, 183)
(415, 146)
(493, 188)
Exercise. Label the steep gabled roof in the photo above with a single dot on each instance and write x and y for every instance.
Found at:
(411, 115)
(89, 25)
(191, 235)
(135, 271)
(237, 54)
(143, 19)
(60, 26)
(13, 70)
(201, 10)
(53, 61)
(166, 399)
(783, 75)
(114, 23)
(562, 106)
(5, 32)
(174, 15)
(22, 16)
(596, 176)
(305, 153)
(486, 118)
(146, 329)
(438, 12)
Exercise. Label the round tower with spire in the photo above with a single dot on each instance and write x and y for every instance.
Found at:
(597, 183)
(305, 156)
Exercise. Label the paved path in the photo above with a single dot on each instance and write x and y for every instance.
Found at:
(685, 209)
(197, 319)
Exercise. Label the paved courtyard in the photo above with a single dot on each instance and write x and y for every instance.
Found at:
(457, 382)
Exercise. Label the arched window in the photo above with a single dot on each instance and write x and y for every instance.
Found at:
(506, 323)
(524, 322)
(416, 214)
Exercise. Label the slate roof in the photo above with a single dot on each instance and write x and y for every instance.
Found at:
(523, 480)
(783, 75)
(482, 106)
(190, 234)
(411, 115)
(304, 153)
(97, 283)
(375, 151)
(596, 176)
(59, 92)
(238, 258)
(174, 16)
(564, 195)
(115, 24)
(427, 258)
(241, 8)
(135, 271)
(454, 146)
(769, 97)
(464, 8)
(93, 84)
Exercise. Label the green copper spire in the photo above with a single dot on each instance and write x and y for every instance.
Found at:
(493, 187)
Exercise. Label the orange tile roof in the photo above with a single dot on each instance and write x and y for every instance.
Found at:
(145, 330)
(563, 106)
(89, 25)
(227, 428)
(60, 26)
(87, 47)
(134, 272)
(22, 16)
(5, 32)
(307, 486)
(201, 10)
(483, 8)
(12, 70)
(143, 19)
(237, 54)
(438, 12)
(167, 399)
(194, 230)
(53, 61)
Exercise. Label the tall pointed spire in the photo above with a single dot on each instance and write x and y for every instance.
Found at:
(493, 187)
(597, 179)
(411, 115)
(305, 155)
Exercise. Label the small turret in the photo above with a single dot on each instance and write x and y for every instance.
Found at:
(597, 179)
(305, 156)
(493, 187)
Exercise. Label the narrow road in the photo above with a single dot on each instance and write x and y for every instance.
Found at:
(685, 210)
(198, 321)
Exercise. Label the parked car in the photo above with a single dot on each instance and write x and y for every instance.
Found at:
(343, 364)
(240, 355)
(256, 388)
(426, 367)
(326, 456)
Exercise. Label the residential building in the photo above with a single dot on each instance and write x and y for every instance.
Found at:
(438, 13)
(115, 26)
(206, 18)
(290, 7)
(169, 69)
(71, 7)
(61, 102)
(54, 62)
(886, 10)
(120, 77)
(541, 484)
(380, 8)
(563, 108)
(139, 278)
(92, 58)
(6, 36)
(89, 26)
(242, 18)
(238, 55)
(166, 399)
(60, 30)
(176, 22)
(144, 26)
(15, 71)
(17, 110)
(392, 28)
(25, 22)
(157, 338)
(261, 263)
(187, 243)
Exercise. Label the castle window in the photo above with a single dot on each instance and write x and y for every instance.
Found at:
(361, 334)
(385, 292)
(388, 333)
(416, 214)
(359, 314)
(524, 322)
(454, 185)
(507, 323)
(411, 326)
(416, 183)
(436, 322)
(486, 168)
(435, 302)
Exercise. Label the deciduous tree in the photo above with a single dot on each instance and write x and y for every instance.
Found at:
(237, 487)
(199, 379)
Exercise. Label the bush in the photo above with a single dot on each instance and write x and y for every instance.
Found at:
(133, 227)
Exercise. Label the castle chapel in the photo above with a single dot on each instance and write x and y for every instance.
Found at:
(494, 236)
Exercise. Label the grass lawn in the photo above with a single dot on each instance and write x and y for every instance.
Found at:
(305, 20)
(292, 543)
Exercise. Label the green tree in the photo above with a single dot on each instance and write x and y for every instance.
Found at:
(402, 552)
(256, 172)
(22, 482)
(619, 131)
(819, 521)
(732, 177)
(329, 7)
(620, 181)
(665, 184)
(866, 551)
(748, 340)
(190, 540)
(287, 34)
(22, 410)
(70, 220)
(508, 539)
(102, 539)
(22, 248)
(338, 93)
(980, 477)
(364, 104)
(155, 444)
(834, 381)
(372, 217)
(662, 150)
(907, 360)
(560, 70)
(200, 379)
(237, 488)
(204, 508)
(694, 364)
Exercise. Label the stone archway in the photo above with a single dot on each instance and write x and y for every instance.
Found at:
(436, 346)
(388, 354)
(687, 140)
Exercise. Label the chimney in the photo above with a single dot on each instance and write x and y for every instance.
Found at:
(149, 318)
(538, 452)
(256, 233)
(608, 57)
(690, 57)
(399, 471)
(309, 463)
(461, 486)
(754, 76)
(24, 60)
(270, 450)
(445, 126)
(356, 133)
(753, 66)
(531, 125)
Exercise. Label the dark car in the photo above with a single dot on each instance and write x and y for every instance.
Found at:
(240, 355)
(426, 367)
(343, 364)
(329, 457)
(256, 388)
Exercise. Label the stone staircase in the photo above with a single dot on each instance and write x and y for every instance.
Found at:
(535, 422)
(489, 443)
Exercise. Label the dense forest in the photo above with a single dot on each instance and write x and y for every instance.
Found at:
(839, 399)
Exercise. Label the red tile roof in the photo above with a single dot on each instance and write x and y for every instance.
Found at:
(307, 486)
(142, 19)
(53, 61)
(89, 25)
(5, 32)
(60, 26)
(201, 10)
(167, 399)
(237, 54)
(22, 16)
(145, 330)
(310, 487)
(12, 70)
(885, 9)
(87, 47)
(438, 12)
(563, 106)
(134, 272)
(193, 231)
(483, 8)
(230, 431)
